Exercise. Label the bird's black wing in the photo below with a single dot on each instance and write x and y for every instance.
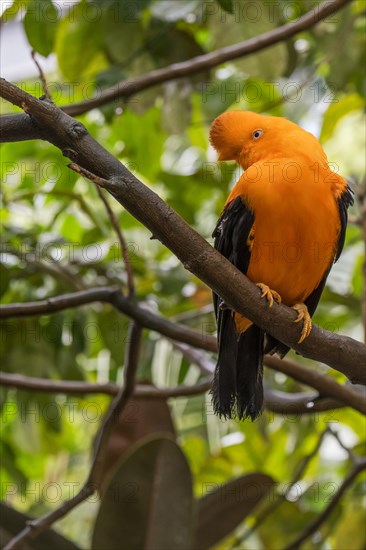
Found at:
(237, 386)
(344, 202)
(231, 235)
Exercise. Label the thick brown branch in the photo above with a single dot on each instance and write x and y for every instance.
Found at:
(340, 352)
(18, 128)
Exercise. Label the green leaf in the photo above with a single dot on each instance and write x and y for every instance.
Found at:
(120, 45)
(13, 10)
(40, 24)
(337, 110)
(79, 39)
(12, 522)
(224, 508)
(227, 5)
(148, 502)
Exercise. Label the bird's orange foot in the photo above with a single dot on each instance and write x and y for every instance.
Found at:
(303, 315)
(269, 294)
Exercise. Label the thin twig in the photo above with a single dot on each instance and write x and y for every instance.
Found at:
(99, 182)
(281, 497)
(274, 401)
(57, 270)
(56, 192)
(196, 356)
(69, 387)
(354, 458)
(122, 242)
(46, 90)
(37, 526)
(119, 403)
(314, 526)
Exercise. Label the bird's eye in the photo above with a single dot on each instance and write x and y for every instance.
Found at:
(257, 134)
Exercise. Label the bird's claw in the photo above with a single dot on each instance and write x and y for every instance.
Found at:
(269, 294)
(303, 315)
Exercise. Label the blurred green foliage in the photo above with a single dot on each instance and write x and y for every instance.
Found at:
(57, 237)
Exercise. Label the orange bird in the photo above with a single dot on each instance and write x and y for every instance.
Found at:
(283, 225)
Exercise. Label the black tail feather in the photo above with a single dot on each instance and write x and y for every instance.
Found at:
(224, 383)
(273, 346)
(237, 389)
(249, 373)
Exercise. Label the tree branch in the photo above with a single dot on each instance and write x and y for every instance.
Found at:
(98, 182)
(69, 387)
(274, 401)
(119, 403)
(314, 526)
(281, 497)
(326, 386)
(37, 526)
(340, 352)
(184, 338)
(18, 127)
(210, 60)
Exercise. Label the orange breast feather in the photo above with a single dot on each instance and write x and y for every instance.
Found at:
(296, 224)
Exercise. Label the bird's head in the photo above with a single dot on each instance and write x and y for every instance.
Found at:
(248, 137)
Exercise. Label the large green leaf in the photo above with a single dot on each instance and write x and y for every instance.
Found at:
(148, 503)
(40, 24)
(79, 39)
(123, 32)
(221, 510)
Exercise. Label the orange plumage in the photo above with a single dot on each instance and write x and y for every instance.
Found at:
(283, 225)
